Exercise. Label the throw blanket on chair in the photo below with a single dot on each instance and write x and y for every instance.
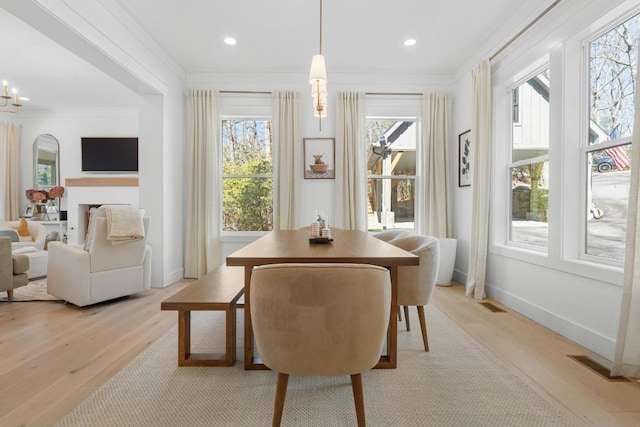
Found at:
(124, 224)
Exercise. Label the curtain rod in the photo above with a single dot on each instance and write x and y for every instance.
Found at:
(251, 92)
(395, 93)
(529, 25)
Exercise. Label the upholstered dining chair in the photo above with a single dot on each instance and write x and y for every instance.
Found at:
(416, 283)
(390, 235)
(320, 320)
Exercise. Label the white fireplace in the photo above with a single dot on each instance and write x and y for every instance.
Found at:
(82, 193)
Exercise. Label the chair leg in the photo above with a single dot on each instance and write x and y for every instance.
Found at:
(423, 326)
(358, 397)
(406, 317)
(281, 393)
(399, 315)
(10, 295)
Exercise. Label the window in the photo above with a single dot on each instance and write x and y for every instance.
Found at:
(529, 167)
(247, 175)
(612, 68)
(391, 173)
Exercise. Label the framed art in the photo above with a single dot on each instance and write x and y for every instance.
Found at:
(319, 158)
(28, 211)
(464, 159)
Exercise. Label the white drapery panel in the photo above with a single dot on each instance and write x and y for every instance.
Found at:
(626, 360)
(434, 214)
(10, 167)
(202, 246)
(351, 180)
(480, 179)
(286, 115)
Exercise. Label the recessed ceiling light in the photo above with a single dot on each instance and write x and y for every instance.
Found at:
(409, 42)
(230, 41)
(22, 98)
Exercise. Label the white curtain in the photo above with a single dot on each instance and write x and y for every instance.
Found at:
(351, 180)
(434, 215)
(286, 115)
(626, 360)
(202, 246)
(480, 179)
(10, 167)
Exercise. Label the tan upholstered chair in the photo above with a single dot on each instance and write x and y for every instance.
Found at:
(390, 235)
(13, 268)
(416, 283)
(320, 320)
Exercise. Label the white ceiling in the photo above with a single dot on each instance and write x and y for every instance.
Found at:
(275, 35)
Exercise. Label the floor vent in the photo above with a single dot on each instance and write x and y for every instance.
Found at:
(597, 368)
(494, 308)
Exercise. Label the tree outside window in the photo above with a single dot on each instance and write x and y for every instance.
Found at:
(247, 180)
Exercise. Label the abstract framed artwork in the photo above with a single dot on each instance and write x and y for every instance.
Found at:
(319, 158)
(464, 159)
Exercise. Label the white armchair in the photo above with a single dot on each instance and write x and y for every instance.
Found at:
(101, 271)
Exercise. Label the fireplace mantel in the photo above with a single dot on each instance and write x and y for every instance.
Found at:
(101, 182)
(82, 193)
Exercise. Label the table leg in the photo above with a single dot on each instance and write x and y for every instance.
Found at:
(250, 362)
(390, 360)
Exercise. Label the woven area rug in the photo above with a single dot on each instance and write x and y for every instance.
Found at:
(458, 383)
(35, 290)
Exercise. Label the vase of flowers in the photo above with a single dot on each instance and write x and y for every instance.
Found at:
(44, 201)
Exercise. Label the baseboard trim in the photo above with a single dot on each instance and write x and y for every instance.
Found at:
(171, 278)
(591, 340)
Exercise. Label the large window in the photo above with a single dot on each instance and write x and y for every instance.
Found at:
(391, 173)
(529, 168)
(247, 180)
(612, 74)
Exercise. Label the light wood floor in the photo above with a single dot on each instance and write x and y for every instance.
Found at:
(53, 356)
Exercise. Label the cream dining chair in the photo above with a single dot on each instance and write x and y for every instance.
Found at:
(320, 320)
(416, 283)
(390, 235)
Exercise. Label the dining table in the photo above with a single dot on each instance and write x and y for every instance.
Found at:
(296, 246)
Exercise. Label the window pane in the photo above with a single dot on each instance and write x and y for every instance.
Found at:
(247, 201)
(391, 203)
(391, 151)
(612, 68)
(247, 204)
(530, 201)
(531, 118)
(607, 202)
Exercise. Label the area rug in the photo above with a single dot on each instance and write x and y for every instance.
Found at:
(35, 290)
(457, 383)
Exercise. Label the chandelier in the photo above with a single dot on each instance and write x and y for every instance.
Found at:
(6, 97)
(318, 81)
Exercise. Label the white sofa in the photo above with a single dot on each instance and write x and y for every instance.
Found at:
(100, 271)
(38, 234)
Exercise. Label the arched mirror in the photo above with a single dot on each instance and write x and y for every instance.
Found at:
(46, 164)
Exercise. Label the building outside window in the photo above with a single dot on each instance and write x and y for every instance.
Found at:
(529, 167)
(247, 180)
(612, 73)
(390, 149)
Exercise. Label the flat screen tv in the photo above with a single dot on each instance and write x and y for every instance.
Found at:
(115, 154)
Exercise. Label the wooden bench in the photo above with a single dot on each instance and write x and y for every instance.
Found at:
(218, 290)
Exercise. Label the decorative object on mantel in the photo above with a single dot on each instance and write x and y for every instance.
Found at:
(318, 81)
(40, 198)
(6, 97)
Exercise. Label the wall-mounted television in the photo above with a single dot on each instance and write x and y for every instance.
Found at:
(115, 154)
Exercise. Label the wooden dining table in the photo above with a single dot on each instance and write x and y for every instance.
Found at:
(294, 246)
